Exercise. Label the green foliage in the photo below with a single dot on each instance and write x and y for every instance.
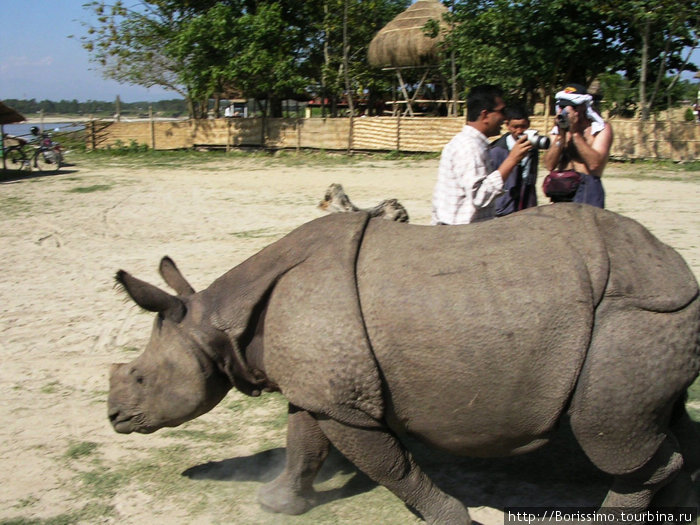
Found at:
(267, 50)
(133, 147)
(533, 47)
(620, 96)
(163, 108)
(532, 44)
(272, 50)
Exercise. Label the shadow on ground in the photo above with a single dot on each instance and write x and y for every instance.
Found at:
(558, 474)
(8, 176)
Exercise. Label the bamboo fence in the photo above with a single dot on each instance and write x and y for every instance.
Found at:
(633, 139)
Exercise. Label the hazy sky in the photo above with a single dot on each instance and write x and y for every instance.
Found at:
(38, 59)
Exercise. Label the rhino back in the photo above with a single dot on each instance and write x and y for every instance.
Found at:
(480, 331)
(645, 272)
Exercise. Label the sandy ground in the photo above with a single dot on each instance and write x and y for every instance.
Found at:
(62, 323)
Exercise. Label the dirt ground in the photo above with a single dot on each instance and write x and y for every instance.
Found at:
(62, 323)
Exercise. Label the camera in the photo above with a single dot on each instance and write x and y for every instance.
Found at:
(537, 141)
(563, 121)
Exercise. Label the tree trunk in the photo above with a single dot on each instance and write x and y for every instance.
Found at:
(326, 61)
(643, 73)
(346, 73)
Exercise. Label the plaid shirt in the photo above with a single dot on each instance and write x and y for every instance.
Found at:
(467, 184)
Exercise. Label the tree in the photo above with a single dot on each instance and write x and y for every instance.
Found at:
(659, 32)
(531, 47)
(129, 44)
(344, 34)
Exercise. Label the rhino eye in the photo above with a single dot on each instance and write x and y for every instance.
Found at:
(138, 377)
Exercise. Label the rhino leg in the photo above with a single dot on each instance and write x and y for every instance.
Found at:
(384, 459)
(680, 492)
(635, 491)
(307, 448)
(625, 409)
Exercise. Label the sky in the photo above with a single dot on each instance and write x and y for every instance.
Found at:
(38, 59)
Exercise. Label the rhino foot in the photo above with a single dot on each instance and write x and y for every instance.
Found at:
(277, 497)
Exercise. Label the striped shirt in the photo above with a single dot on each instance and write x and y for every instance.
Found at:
(467, 184)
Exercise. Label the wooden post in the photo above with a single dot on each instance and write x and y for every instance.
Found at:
(2, 146)
(454, 85)
(153, 127)
(409, 109)
(398, 131)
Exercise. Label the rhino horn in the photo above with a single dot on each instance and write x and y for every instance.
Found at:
(151, 297)
(172, 275)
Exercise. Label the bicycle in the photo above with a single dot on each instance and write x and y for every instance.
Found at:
(47, 156)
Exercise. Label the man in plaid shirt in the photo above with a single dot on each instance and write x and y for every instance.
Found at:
(467, 184)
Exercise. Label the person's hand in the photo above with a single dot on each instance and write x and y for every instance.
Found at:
(577, 123)
(562, 122)
(520, 149)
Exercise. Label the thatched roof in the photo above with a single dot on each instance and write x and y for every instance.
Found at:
(9, 115)
(402, 42)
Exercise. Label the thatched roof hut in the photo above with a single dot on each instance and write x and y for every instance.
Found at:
(9, 115)
(402, 42)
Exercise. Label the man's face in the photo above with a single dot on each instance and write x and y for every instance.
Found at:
(577, 115)
(495, 118)
(516, 127)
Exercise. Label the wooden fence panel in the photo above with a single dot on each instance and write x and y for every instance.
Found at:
(662, 139)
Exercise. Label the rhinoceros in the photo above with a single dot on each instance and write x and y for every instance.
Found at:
(475, 339)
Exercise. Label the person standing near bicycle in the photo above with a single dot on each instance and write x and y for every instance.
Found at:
(46, 156)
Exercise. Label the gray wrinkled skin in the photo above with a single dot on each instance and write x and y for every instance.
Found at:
(475, 339)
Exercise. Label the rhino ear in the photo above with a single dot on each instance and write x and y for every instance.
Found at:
(171, 274)
(151, 297)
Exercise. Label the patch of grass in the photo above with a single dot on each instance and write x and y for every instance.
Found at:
(219, 159)
(201, 435)
(694, 391)
(694, 413)
(146, 158)
(50, 388)
(91, 189)
(81, 449)
(26, 502)
(666, 170)
(254, 234)
(14, 206)
(90, 513)
(103, 483)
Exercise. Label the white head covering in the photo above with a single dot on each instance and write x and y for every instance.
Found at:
(597, 122)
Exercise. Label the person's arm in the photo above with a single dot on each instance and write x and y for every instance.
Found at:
(594, 156)
(553, 155)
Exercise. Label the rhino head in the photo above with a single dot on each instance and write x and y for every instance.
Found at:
(176, 378)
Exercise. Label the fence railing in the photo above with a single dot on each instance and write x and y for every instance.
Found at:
(633, 139)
